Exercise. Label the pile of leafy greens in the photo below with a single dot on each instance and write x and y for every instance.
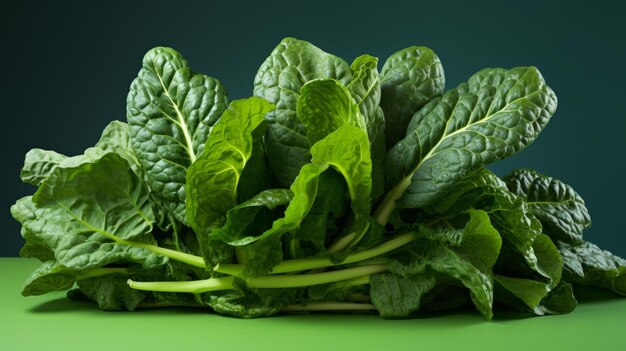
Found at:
(335, 187)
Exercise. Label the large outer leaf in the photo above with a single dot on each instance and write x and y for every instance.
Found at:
(560, 209)
(279, 79)
(212, 180)
(84, 208)
(170, 112)
(496, 114)
(410, 78)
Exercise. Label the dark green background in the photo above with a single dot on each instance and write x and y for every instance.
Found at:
(66, 68)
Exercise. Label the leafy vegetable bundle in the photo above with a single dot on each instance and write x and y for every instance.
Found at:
(336, 187)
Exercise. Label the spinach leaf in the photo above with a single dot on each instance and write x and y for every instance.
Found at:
(410, 77)
(587, 264)
(496, 114)
(347, 151)
(396, 296)
(470, 261)
(87, 210)
(171, 112)
(281, 76)
(213, 179)
(324, 106)
(111, 292)
(560, 209)
(38, 165)
(365, 88)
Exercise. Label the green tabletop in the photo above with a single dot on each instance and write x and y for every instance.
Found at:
(52, 322)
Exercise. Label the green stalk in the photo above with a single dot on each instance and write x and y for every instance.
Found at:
(189, 259)
(349, 240)
(330, 306)
(385, 209)
(194, 286)
(300, 280)
(313, 263)
(267, 282)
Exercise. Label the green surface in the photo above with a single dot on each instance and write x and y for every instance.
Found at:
(54, 323)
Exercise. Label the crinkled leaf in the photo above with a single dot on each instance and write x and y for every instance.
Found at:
(521, 282)
(116, 138)
(587, 264)
(560, 300)
(366, 91)
(83, 209)
(213, 179)
(252, 216)
(396, 296)
(38, 164)
(112, 293)
(171, 112)
(347, 151)
(50, 276)
(558, 207)
(470, 262)
(291, 65)
(329, 205)
(410, 78)
(324, 105)
(33, 247)
(508, 213)
(496, 114)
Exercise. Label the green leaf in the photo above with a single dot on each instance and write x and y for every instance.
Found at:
(116, 138)
(323, 220)
(50, 276)
(470, 261)
(508, 213)
(171, 112)
(396, 296)
(522, 283)
(112, 293)
(213, 179)
(493, 116)
(587, 264)
(558, 207)
(251, 216)
(560, 300)
(85, 211)
(291, 65)
(38, 164)
(324, 105)
(410, 78)
(365, 88)
(347, 151)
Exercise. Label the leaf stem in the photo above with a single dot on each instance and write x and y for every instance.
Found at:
(189, 259)
(300, 280)
(194, 286)
(321, 262)
(267, 282)
(385, 209)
